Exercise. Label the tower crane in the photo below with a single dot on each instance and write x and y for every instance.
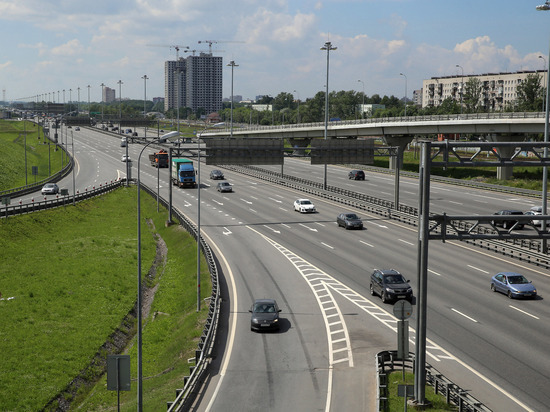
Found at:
(176, 47)
(210, 42)
(202, 51)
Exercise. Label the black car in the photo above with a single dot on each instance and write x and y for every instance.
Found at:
(265, 315)
(390, 285)
(349, 221)
(507, 224)
(356, 175)
(216, 175)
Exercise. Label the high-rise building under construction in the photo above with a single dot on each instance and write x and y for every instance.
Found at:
(196, 82)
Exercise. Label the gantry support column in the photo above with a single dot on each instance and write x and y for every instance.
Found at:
(506, 172)
(401, 142)
(299, 143)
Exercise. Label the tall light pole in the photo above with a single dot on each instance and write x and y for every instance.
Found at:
(70, 100)
(461, 86)
(298, 115)
(89, 101)
(145, 100)
(363, 106)
(139, 327)
(401, 74)
(120, 107)
(78, 101)
(545, 7)
(102, 104)
(232, 65)
(199, 136)
(328, 47)
(177, 71)
(543, 68)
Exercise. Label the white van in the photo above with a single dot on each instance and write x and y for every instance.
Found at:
(123, 142)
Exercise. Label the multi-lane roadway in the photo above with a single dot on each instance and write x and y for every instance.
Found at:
(331, 328)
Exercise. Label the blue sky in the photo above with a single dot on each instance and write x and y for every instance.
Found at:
(51, 45)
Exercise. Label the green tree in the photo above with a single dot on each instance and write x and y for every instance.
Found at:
(530, 94)
(472, 95)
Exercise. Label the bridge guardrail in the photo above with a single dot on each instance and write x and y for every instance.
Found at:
(387, 361)
(425, 118)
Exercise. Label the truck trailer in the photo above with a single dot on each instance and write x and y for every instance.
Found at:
(183, 172)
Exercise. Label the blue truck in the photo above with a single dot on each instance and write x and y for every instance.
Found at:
(183, 172)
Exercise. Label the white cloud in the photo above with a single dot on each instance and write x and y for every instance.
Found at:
(71, 48)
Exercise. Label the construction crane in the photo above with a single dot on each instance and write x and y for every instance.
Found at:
(176, 47)
(210, 42)
(203, 51)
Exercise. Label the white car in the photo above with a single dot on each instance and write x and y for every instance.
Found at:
(125, 158)
(536, 211)
(304, 206)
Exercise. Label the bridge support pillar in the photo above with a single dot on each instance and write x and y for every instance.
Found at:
(506, 172)
(400, 141)
(299, 143)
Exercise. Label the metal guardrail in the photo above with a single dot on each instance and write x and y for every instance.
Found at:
(387, 362)
(376, 120)
(23, 190)
(203, 355)
(58, 201)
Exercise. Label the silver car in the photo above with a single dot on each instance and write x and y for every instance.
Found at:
(224, 187)
(50, 189)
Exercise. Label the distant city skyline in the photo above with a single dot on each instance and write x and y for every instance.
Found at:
(50, 46)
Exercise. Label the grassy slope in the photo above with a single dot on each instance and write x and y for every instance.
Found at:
(12, 159)
(72, 272)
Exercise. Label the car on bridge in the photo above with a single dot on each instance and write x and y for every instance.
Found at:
(349, 221)
(304, 206)
(265, 315)
(390, 285)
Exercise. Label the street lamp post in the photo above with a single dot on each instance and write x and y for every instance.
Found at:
(543, 68)
(363, 105)
(199, 136)
(139, 292)
(70, 100)
(145, 100)
(120, 107)
(461, 86)
(232, 65)
(89, 101)
(328, 47)
(401, 74)
(102, 103)
(545, 7)
(298, 115)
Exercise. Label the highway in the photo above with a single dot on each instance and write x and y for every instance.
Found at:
(323, 357)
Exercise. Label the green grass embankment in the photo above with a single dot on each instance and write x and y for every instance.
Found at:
(72, 276)
(37, 153)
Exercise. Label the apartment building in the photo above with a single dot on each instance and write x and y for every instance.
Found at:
(108, 95)
(498, 89)
(195, 81)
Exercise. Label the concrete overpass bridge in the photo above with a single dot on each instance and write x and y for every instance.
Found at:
(400, 131)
